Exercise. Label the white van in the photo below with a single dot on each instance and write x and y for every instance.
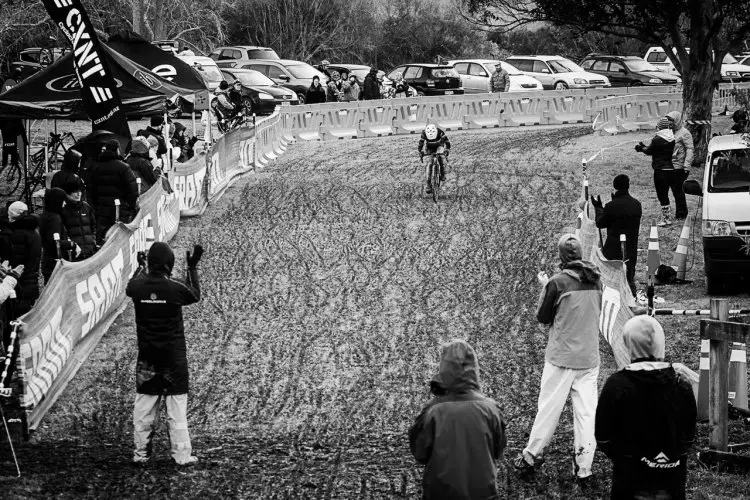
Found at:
(726, 210)
(206, 68)
(731, 70)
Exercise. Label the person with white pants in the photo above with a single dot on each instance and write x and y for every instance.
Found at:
(570, 304)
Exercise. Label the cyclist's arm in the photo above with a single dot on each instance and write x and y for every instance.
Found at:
(421, 143)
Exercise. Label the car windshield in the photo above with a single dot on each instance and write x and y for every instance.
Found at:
(640, 65)
(303, 71)
(262, 54)
(444, 73)
(729, 59)
(254, 78)
(730, 171)
(209, 73)
(564, 66)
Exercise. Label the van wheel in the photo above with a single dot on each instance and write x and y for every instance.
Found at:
(714, 284)
(561, 86)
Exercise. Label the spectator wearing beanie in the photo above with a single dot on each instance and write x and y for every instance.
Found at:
(570, 304)
(69, 170)
(181, 140)
(139, 161)
(155, 130)
(620, 216)
(660, 149)
(112, 179)
(26, 250)
(51, 223)
(646, 419)
(78, 219)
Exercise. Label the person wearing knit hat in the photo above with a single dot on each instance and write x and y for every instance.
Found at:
(646, 418)
(570, 305)
(155, 130)
(78, 220)
(16, 210)
(661, 149)
(140, 161)
(25, 248)
(682, 160)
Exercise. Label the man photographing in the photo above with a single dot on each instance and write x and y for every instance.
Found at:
(162, 369)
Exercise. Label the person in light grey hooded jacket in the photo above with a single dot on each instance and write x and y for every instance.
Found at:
(682, 160)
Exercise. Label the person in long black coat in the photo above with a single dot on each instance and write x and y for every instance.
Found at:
(25, 248)
(51, 223)
(316, 93)
(140, 163)
(371, 87)
(79, 221)
(68, 170)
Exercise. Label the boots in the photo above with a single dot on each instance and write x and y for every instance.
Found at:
(665, 218)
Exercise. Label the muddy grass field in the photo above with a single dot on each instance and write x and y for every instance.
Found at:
(328, 283)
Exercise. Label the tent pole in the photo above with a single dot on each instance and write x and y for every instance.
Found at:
(46, 150)
(26, 149)
(194, 131)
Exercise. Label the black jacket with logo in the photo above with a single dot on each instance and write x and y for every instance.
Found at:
(162, 356)
(645, 423)
(112, 178)
(622, 215)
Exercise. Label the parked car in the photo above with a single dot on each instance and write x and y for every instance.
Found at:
(260, 94)
(237, 55)
(558, 73)
(725, 225)
(430, 79)
(33, 59)
(744, 60)
(731, 70)
(627, 71)
(206, 68)
(476, 74)
(295, 75)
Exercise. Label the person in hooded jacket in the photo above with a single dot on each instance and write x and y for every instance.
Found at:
(25, 249)
(682, 160)
(156, 130)
(660, 149)
(162, 368)
(181, 140)
(139, 161)
(333, 88)
(620, 216)
(646, 419)
(51, 223)
(460, 433)
(570, 305)
(316, 93)
(68, 170)
(79, 221)
(371, 87)
(111, 179)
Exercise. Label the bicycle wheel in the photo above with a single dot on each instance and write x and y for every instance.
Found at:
(435, 180)
(10, 178)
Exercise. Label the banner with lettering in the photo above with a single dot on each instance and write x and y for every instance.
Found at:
(81, 301)
(98, 88)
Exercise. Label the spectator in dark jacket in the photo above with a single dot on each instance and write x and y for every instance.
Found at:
(315, 94)
(68, 170)
(139, 161)
(645, 420)
(155, 130)
(460, 433)
(79, 222)
(371, 87)
(162, 368)
(26, 250)
(111, 179)
(181, 140)
(51, 223)
(11, 129)
(620, 216)
(660, 150)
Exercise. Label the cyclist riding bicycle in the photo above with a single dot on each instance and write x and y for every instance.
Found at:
(434, 141)
(222, 103)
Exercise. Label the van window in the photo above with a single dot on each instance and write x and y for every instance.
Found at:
(657, 57)
(730, 171)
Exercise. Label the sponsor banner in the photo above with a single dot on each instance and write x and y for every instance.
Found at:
(80, 302)
(98, 87)
(188, 180)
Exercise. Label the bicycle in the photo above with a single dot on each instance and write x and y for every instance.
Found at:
(433, 173)
(56, 150)
(226, 124)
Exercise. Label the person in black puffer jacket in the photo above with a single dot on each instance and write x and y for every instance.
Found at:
(26, 250)
(140, 163)
(181, 140)
(371, 87)
(156, 131)
(111, 179)
(646, 419)
(51, 223)
(162, 367)
(316, 93)
(79, 221)
(69, 169)
(660, 150)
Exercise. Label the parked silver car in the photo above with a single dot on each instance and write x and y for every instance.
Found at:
(476, 74)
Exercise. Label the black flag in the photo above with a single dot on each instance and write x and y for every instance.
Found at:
(98, 89)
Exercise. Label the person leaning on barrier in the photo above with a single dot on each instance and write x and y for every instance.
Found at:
(620, 216)
(51, 223)
(156, 130)
(646, 419)
(8, 280)
(371, 87)
(139, 161)
(316, 93)
(180, 139)
(460, 433)
(500, 79)
(25, 248)
(162, 367)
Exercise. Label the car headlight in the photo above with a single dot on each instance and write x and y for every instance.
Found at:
(732, 73)
(718, 228)
(655, 80)
(580, 81)
(265, 97)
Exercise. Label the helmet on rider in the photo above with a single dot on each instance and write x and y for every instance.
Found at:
(223, 85)
(431, 132)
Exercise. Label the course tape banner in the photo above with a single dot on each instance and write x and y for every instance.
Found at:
(80, 302)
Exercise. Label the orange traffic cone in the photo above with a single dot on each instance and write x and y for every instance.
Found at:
(703, 381)
(738, 376)
(654, 260)
(679, 260)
